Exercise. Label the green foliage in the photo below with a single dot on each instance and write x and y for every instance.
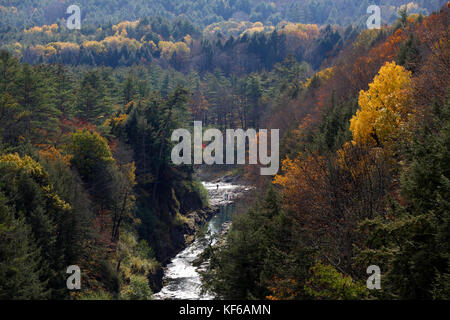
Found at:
(33, 208)
(200, 189)
(75, 227)
(326, 283)
(138, 289)
(94, 97)
(20, 258)
(90, 154)
(135, 262)
(96, 295)
(205, 12)
(334, 129)
(261, 248)
(92, 182)
(180, 220)
(409, 54)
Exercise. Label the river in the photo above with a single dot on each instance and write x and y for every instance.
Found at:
(181, 279)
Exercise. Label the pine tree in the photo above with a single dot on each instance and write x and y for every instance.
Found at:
(12, 126)
(9, 69)
(63, 91)
(409, 54)
(20, 271)
(34, 98)
(93, 100)
(25, 184)
(165, 87)
(129, 89)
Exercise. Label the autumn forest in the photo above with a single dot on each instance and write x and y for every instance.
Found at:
(87, 179)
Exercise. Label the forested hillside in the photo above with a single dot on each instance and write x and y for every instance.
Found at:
(365, 179)
(86, 118)
(24, 14)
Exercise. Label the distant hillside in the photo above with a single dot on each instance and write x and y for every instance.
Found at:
(28, 13)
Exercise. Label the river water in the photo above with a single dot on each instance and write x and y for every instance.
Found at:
(181, 279)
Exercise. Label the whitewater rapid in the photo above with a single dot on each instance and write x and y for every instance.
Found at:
(181, 278)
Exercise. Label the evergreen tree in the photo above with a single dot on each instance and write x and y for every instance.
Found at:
(93, 100)
(41, 207)
(20, 260)
(63, 92)
(9, 69)
(40, 114)
(261, 256)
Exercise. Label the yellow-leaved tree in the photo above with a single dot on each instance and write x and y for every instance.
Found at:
(384, 107)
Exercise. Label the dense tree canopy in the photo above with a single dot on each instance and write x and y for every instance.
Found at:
(86, 176)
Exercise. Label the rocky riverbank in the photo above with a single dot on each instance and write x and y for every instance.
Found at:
(181, 236)
(181, 279)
